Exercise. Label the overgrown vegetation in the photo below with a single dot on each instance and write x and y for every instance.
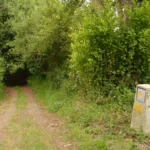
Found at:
(104, 125)
(2, 71)
(21, 101)
(98, 48)
(88, 59)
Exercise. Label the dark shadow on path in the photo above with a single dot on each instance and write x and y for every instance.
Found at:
(19, 78)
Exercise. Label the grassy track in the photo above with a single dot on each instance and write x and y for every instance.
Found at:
(22, 133)
(21, 100)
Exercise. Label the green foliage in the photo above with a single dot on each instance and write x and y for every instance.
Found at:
(42, 29)
(90, 42)
(2, 88)
(8, 59)
(92, 127)
(21, 101)
(122, 94)
(100, 145)
(52, 99)
(2, 71)
(105, 53)
(101, 53)
(89, 61)
(5, 32)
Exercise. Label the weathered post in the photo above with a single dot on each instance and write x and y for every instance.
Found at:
(141, 109)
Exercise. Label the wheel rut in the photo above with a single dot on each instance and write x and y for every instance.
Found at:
(7, 109)
(18, 126)
(50, 124)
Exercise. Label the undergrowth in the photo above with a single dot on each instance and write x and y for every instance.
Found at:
(2, 88)
(103, 124)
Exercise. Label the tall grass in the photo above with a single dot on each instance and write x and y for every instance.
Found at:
(93, 126)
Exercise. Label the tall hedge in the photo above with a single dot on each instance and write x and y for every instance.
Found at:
(105, 52)
(101, 46)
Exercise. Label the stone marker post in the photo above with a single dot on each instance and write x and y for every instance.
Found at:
(141, 109)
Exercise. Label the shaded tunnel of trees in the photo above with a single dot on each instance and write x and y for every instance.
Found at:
(91, 44)
(19, 78)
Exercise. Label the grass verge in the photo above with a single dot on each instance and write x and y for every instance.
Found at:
(102, 126)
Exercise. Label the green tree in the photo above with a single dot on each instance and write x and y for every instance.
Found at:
(42, 32)
(105, 52)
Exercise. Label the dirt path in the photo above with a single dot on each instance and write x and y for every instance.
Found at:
(19, 127)
(49, 123)
(7, 110)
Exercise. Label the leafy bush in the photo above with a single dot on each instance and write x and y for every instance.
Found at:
(1, 91)
(105, 52)
(2, 71)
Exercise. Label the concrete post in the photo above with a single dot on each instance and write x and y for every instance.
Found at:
(141, 109)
